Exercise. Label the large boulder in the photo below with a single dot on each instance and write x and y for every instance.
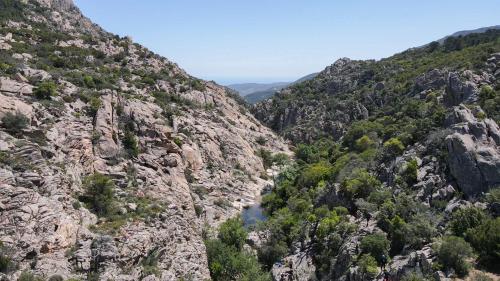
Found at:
(473, 152)
(461, 88)
(296, 267)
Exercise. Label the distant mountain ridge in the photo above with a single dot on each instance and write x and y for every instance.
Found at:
(248, 92)
(249, 88)
(467, 32)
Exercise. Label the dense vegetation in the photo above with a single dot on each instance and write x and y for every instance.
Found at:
(227, 258)
(382, 87)
(336, 179)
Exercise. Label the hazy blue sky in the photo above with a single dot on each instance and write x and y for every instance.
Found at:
(281, 40)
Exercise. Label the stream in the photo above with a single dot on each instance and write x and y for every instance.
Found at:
(252, 215)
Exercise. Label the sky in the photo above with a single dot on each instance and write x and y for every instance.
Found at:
(237, 41)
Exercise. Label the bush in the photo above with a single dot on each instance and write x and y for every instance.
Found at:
(130, 143)
(368, 266)
(486, 93)
(15, 123)
(261, 140)
(360, 185)
(226, 263)
(267, 157)
(28, 276)
(394, 146)
(271, 251)
(89, 81)
(364, 143)
(6, 263)
(315, 173)
(95, 104)
(410, 172)
(45, 90)
(99, 194)
(452, 254)
(485, 238)
(232, 233)
(464, 219)
(376, 245)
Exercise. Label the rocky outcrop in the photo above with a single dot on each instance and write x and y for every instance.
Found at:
(295, 267)
(473, 152)
(462, 88)
(196, 161)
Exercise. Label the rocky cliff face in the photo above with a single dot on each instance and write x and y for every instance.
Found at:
(180, 152)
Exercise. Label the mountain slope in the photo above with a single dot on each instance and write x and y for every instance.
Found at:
(467, 32)
(397, 171)
(258, 96)
(249, 88)
(112, 158)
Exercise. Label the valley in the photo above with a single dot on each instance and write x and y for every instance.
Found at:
(116, 164)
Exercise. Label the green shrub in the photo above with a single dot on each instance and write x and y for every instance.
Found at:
(99, 194)
(232, 233)
(464, 219)
(89, 81)
(197, 85)
(6, 263)
(95, 104)
(130, 143)
(486, 93)
(267, 157)
(376, 245)
(227, 263)
(453, 254)
(15, 123)
(315, 173)
(178, 142)
(271, 251)
(45, 90)
(364, 143)
(28, 276)
(394, 146)
(261, 140)
(360, 185)
(410, 172)
(150, 264)
(485, 238)
(368, 266)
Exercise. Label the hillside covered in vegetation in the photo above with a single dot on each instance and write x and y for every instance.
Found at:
(397, 169)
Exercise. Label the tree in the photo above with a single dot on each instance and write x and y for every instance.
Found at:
(453, 253)
(45, 90)
(394, 146)
(410, 172)
(99, 194)
(464, 219)
(130, 143)
(368, 266)
(315, 173)
(15, 122)
(28, 276)
(360, 185)
(364, 143)
(485, 238)
(226, 263)
(376, 245)
(233, 233)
